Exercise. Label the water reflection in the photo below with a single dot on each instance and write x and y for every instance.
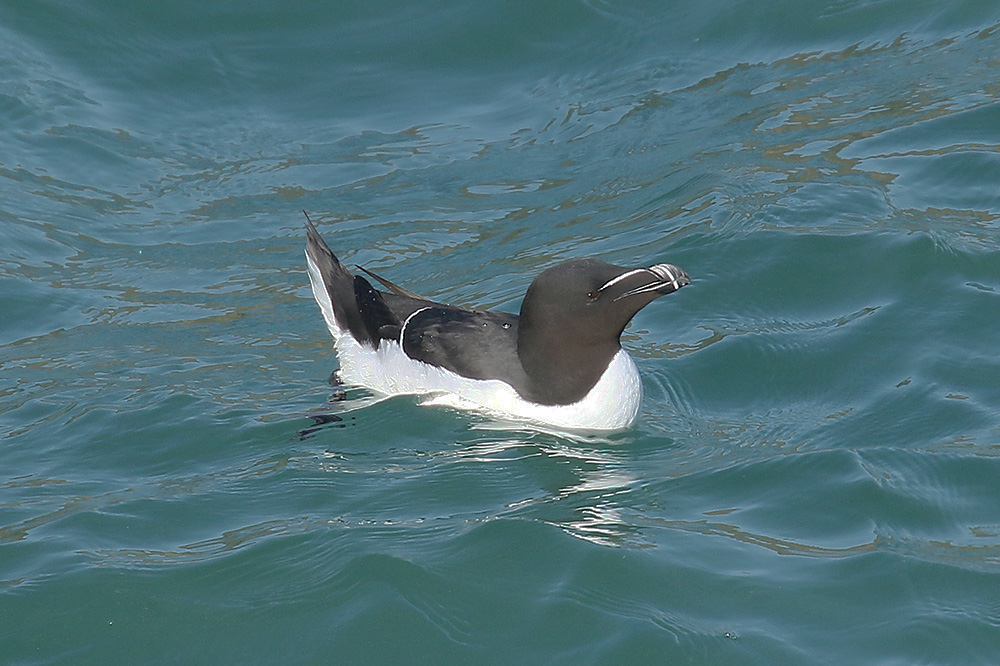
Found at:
(592, 489)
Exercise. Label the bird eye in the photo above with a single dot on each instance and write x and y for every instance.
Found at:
(591, 295)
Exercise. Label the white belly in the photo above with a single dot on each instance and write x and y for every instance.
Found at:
(612, 404)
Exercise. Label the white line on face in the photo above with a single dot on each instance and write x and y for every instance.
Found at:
(616, 280)
(652, 286)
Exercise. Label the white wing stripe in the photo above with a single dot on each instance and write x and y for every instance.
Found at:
(405, 323)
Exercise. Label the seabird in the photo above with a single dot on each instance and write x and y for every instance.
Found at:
(559, 363)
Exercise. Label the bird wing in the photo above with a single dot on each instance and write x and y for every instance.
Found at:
(472, 343)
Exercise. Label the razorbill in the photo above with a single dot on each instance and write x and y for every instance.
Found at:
(559, 363)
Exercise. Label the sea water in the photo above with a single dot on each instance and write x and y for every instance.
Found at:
(814, 478)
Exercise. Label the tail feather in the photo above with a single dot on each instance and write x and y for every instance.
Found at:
(334, 290)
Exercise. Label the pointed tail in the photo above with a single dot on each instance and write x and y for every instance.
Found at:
(333, 288)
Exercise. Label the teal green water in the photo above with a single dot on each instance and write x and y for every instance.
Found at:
(815, 477)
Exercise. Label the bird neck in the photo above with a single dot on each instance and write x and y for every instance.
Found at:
(561, 367)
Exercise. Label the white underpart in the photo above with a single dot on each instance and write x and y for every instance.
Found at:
(322, 297)
(613, 403)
